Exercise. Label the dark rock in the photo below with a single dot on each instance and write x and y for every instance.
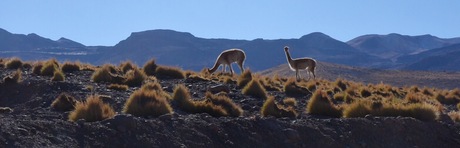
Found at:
(219, 88)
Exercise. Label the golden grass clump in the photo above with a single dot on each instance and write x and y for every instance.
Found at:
(15, 78)
(269, 84)
(106, 74)
(169, 72)
(454, 115)
(340, 83)
(13, 63)
(93, 109)
(49, 67)
(290, 102)
(270, 108)
(64, 102)
(255, 89)
(119, 87)
(292, 89)
(244, 78)
(446, 99)
(357, 109)
(421, 111)
(320, 104)
(127, 66)
(182, 98)
(155, 86)
(364, 92)
(37, 68)
(58, 76)
(143, 103)
(135, 77)
(221, 100)
(69, 67)
(150, 67)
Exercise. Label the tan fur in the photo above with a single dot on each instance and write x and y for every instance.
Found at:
(298, 64)
(228, 57)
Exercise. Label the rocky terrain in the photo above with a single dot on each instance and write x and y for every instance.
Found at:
(32, 123)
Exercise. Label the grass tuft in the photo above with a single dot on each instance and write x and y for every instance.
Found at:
(292, 89)
(255, 89)
(290, 102)
(320, 104)
(15, 78)
(49, 67)
(150, 67)
(135, 77)
(58, 76)
(69, 67)
(145, 103)
(93, 109)
(270, 108)
(64, 102)
(244, 78)
(222, 100)
(14, 63)
(119, 87)
(169, 73)
(182, 98)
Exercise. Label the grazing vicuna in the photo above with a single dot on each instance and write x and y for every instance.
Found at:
(228, 57)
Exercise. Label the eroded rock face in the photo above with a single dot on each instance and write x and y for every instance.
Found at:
(34, 124)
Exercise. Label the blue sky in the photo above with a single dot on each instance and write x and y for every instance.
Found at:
(104, 22)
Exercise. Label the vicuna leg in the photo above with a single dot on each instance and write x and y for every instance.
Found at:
(231, 69)
(240, 64)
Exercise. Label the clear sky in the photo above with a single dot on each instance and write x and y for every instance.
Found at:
(106, 22)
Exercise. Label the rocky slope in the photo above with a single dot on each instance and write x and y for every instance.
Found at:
(32, 123)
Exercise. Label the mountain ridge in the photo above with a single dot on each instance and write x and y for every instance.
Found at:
(185, 50)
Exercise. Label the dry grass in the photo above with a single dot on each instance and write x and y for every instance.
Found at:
(421, 111)
(49, 67)
(290, 102)
(64, 102)
(14, 78)
(292, 89)
(255, 89)
(357, 109)
(58, 76)
(320, 104)
(270, 108)
(182, 98)
(135, 77)
(147, 103)
(127, 66)
(13, 63)
(454, 115)
(244, 78)
(93, 109)
(107, 73)
(169, 72)
(119, 87)
(69, 67)
(226, 103)
(155, 86)
(150, 67)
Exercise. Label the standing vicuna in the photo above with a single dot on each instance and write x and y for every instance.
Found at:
(308, 64)
(228, 57)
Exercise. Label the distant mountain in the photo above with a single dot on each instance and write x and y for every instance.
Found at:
(15, 42)
(187, 51)
(394, 45)
(190, 52)
(440, 59)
